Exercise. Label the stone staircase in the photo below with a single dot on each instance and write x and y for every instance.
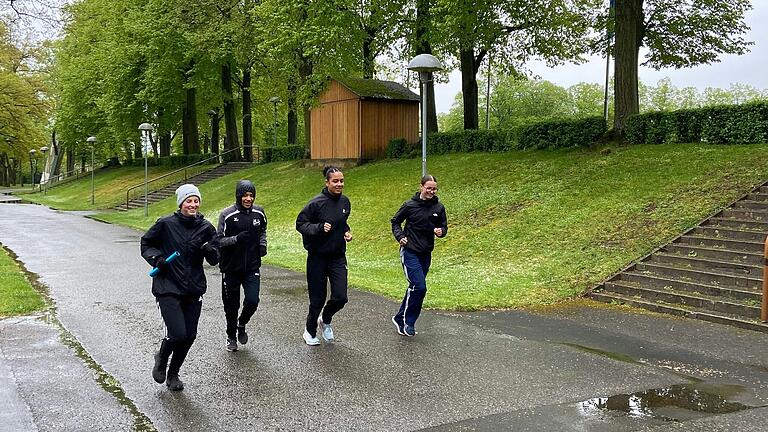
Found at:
(712, 272)
(197, 179)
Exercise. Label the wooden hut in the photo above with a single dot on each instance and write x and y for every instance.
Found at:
(357, 118)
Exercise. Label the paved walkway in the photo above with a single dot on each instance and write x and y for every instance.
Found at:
(487, 371)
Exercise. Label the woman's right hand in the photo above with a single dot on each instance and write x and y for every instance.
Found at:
(326, 227)
(403, 241)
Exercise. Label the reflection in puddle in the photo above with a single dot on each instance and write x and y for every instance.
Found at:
(674, 403)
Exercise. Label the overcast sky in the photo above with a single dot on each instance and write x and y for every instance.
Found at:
(751, 68)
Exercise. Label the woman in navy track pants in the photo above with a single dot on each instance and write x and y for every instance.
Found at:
(425, 219)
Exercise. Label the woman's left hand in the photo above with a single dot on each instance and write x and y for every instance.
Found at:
(348, 236)
(438, 232)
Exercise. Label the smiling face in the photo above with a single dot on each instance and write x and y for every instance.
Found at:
(190, 205)
(428, 190)
(247, 200)
(335, 183)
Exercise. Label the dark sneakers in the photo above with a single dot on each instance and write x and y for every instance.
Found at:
(231, 345)
(398, 325)
(174, 383)
(242, 335)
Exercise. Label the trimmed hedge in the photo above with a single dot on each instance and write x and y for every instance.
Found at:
(171, 161)
(724, 124)
(282, 153)
(543, 135)
(400, 148)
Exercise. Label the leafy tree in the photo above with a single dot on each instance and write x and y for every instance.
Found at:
(516, 31)
(677, 34)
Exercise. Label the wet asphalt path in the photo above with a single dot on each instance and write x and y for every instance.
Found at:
(504, 371)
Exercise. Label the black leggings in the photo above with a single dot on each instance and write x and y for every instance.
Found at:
(180, 315)
(321, 269)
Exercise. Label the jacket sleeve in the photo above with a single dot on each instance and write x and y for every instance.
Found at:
(443, 222)
(263, 236)
(212, 255)
(304, 223)
(220, 238)
(397, 221)
(346, 221)
(151, 243)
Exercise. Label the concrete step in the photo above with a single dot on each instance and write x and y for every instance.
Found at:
(759, 196)
(700, 276)
(745, 214)
(739, 257)
(662, 282)
(738, 245)
(687, 298)
(719, 318)
(742, 224)
(751, 205)
(692, 262)
(729, 233)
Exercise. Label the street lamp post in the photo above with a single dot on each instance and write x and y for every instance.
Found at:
(44, 186)
(274, 100)
(32, 167)
(92, 142)
(145, 129)
(424, 64)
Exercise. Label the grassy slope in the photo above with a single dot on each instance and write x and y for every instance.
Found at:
(17, 297)
(524, 227)
(109, 184)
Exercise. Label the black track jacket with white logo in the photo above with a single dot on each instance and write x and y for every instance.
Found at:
(421, 218)
(241, 257)
(325, 207)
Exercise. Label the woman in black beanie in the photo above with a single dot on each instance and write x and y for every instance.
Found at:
(325, 233)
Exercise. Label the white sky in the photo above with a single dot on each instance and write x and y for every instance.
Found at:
(750, 68)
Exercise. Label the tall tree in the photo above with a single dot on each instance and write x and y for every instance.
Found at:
(516, 31)
(677, 34)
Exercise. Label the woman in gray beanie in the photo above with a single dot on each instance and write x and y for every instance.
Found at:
(179, 285)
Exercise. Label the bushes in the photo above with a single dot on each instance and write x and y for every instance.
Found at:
(550, 134)
(171, 161)
(282, 153)
(725, 124)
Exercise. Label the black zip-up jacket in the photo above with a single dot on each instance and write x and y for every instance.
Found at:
(184, 276)
(241, 257)
(325, 207)
(421, 218)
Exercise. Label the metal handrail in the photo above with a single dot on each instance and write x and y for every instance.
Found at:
(128, 191)
(764, 308)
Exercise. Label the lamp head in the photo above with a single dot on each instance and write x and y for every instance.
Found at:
(44, 149)
(425, 63)
(212, 112)
(146, 127)
(274, 99)
(91, 140)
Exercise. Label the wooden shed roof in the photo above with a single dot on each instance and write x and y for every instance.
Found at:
(376, 89)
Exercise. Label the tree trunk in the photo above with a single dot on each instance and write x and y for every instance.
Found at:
(193, 142)
(369, 57)
(422, 46)
(293, 121)
(230, 121)
(185, 130)
(70, 159)
(4, 170)
(629, 28)
(247, 119)
(137, 153)
(469, 88)
(215, 132)
(164, 133)
(305, 72)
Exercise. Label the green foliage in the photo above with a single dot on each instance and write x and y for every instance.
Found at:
(562, 133)
(173, 161)
(283, 153)
(396, 148)
(524, 227)
(728, 124)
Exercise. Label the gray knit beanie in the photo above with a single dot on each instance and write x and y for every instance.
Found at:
(185, 191)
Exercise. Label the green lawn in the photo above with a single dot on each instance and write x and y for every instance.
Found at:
(17, 297)
(110, 185)
(525, 228)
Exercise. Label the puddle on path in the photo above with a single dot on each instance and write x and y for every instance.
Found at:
(141, 423)
(671, 404)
